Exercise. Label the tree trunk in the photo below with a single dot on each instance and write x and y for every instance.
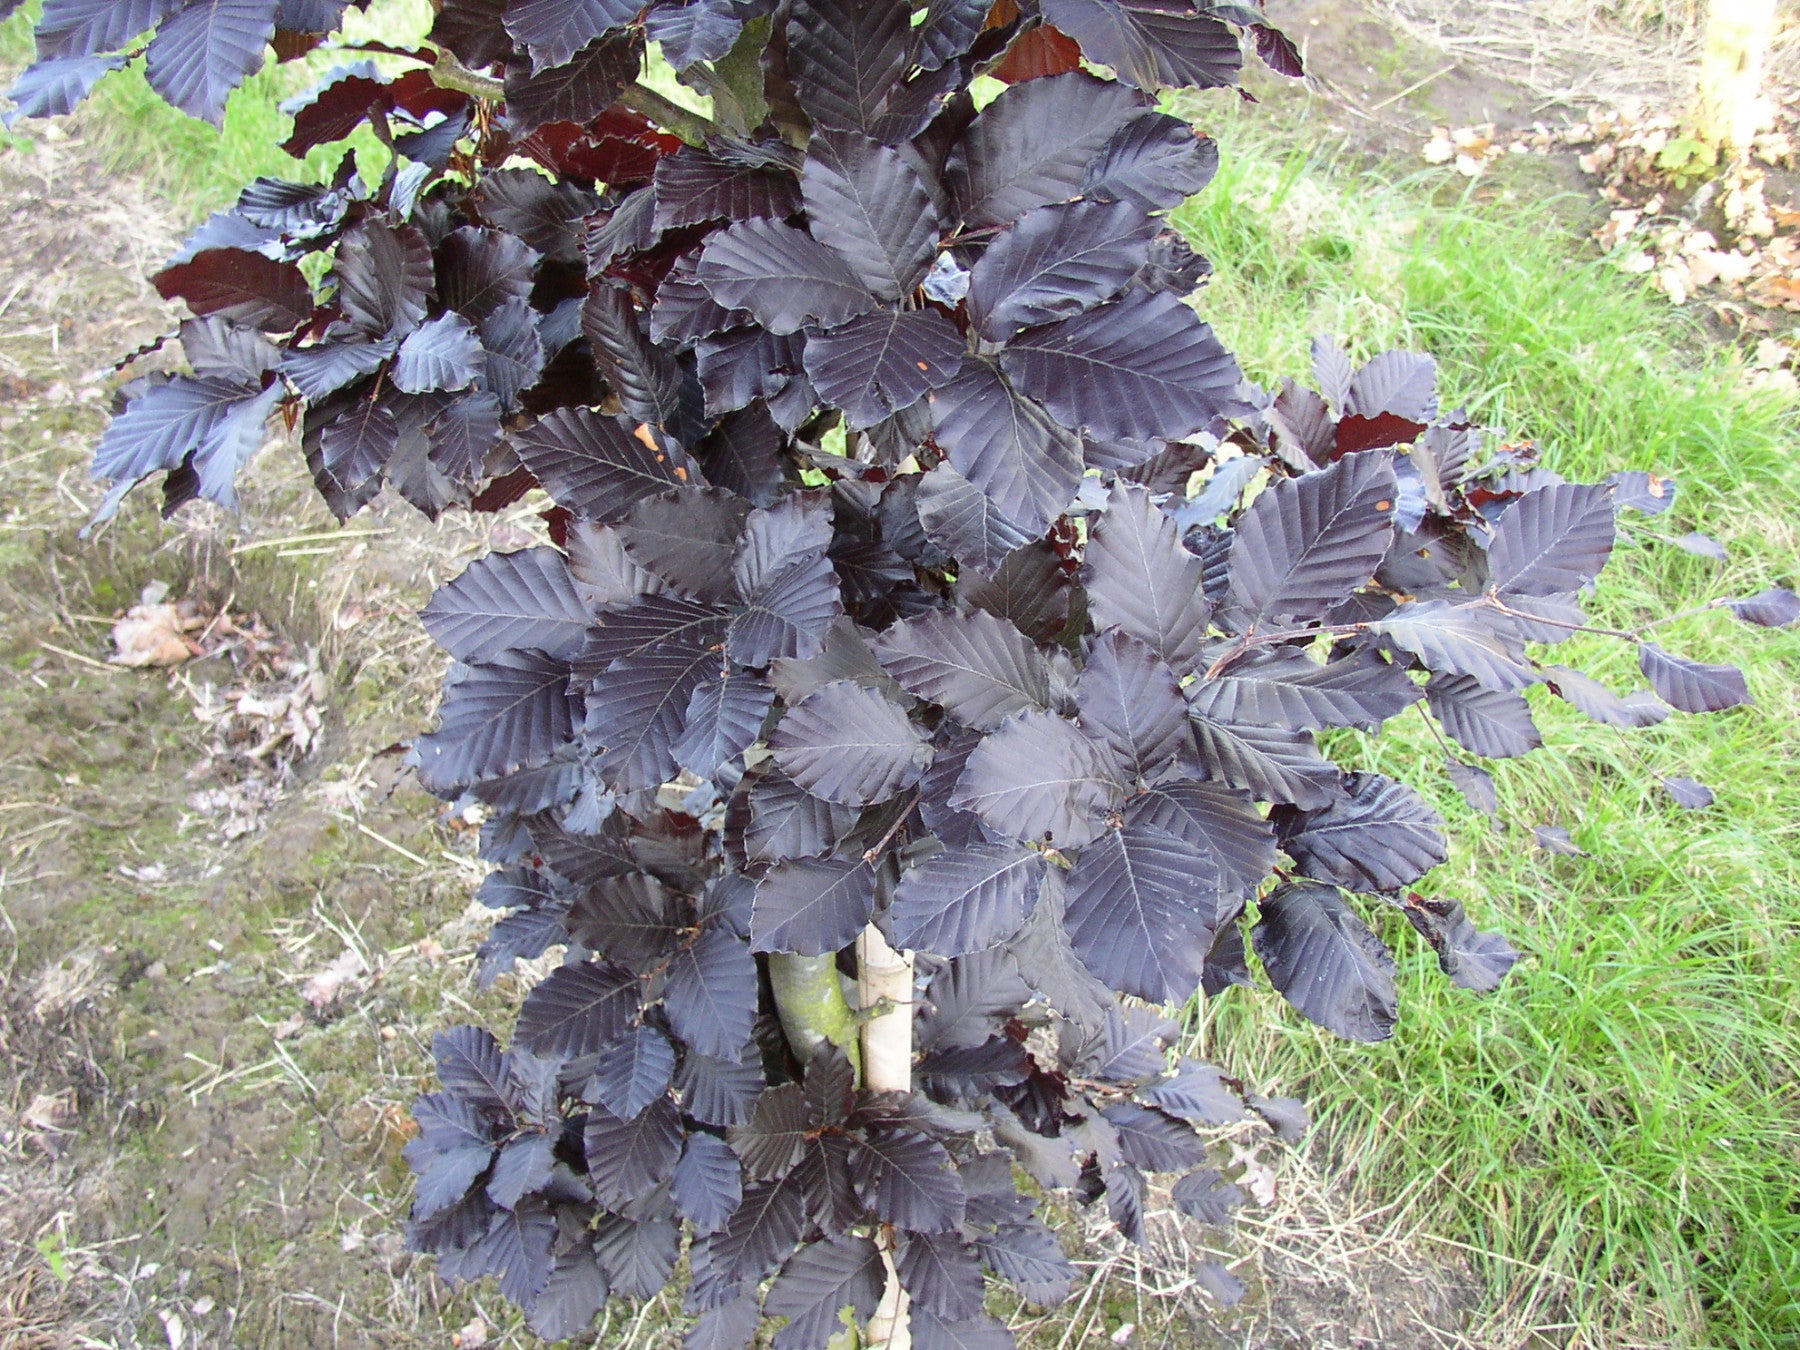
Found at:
(1727, 105)
(810, 999)
(883, 973)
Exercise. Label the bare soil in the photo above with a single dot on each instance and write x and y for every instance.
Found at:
(191, 1152)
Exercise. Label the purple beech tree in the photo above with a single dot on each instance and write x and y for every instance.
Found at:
(884, 792)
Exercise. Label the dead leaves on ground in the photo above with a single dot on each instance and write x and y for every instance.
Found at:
(1697, 231)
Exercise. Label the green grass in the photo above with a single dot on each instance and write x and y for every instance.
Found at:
(199, 168)
(1616, 1133)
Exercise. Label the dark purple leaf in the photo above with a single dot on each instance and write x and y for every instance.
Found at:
(240, 287)
(909, 1182)
(1307, 542)
(966, 899)
(718, 1091)
(866, 202)
(527, 935)
(1221, 821)
(1471, 958)
(846, 58)
(1197, 1093)
(850, 744)
(1688, 793)
(1207, 1196)
(1553, 540)
(976, 667)
(1008, 446)
(1125, 1200)
(788, 822)
(327, 367)
(1489, 722)
(1056, 262)
(385, 278)
(1032, 145)
(812, 906)
(506, 714)
(1326, 961)
(969, 999)
(1285, 687)
(478, 271)
(470, 1066)
(782, 275)
(1140, 366)
(1378, 835)
(522, 1168)
(547, 214)
(214, 425)
(651, 385)
(1776, 607)
(1595, 700)
(54, 86)
(881, 363)
(959, 518)
(707, 1184)
(940, 1272)
(454, 1146)
(1475, 784)
(1270, 763)
(1036, 776)
(710, 993)
(702, 30)
(1030, 1257)
(629, 1158)
(1141, 580)
(575, 89)
(554, 30)
(514, 352)
(633, 1072)
(592, 463)
(636, 1255)
(573, 1297)
(1153, 1141)
(1154, 160)
(696, 186)
(507, 601)
(632, 919)
(1049, 964)
(788, 615)
(1150, 44)
(762, 1231)
(1130, 701)
(1455, 640)
(578, 1009)
(205, 49)
(74, 28)
(1142, 907)
(1692, 686)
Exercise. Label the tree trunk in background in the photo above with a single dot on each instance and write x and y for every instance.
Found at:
(1727, 104)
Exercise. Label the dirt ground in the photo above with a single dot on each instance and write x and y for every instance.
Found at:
(231, 924)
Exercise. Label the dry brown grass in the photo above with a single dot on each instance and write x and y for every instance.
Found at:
(1582, 53)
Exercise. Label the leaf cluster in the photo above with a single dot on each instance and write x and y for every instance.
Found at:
(920, 558)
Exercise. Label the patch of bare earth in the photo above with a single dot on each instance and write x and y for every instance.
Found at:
(229, 925)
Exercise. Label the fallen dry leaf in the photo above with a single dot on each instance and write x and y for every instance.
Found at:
(154, 635)
(323, 988)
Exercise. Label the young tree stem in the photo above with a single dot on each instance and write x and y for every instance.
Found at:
(810, 1000)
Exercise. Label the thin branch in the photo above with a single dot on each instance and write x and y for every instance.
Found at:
(449, 73)
(875, 853)
(666, 113)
